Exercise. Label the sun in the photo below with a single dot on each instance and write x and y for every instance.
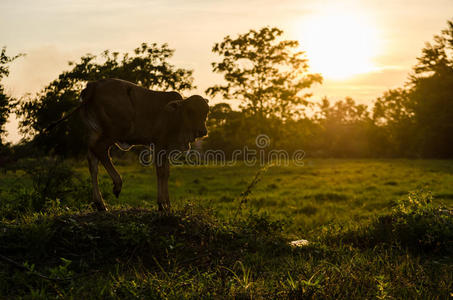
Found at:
(339, 44)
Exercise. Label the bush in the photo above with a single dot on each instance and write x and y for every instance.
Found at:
(416, 224)
(47, 183)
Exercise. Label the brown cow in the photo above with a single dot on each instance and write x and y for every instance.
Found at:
(122, 113)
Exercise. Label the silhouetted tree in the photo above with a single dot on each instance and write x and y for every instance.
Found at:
(393, 114)
(266, 75)
(431, 93)
(418, 119)
(218, 115)
(225, 127)
(5, 100)
(344, 129)
(147, 66)
(413, 121)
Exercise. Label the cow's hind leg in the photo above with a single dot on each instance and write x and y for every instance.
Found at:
(163, 172)
(101, 149)
(93, 166)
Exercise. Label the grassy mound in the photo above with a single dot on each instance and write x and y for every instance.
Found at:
(98, 239)
(190, 253)
(63, 245)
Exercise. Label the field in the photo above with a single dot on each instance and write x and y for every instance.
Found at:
(367, 240)
(318, 193)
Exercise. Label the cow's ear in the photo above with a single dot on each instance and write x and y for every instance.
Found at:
(173, 105)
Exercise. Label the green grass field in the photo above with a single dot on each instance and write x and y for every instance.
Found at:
(320, 192)
(364, 242)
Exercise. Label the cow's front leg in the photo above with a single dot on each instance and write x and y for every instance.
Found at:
(97, 197)
(163, 172)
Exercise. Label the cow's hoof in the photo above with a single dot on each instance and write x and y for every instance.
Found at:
(117, 190)
(100, 206)
(164, 209)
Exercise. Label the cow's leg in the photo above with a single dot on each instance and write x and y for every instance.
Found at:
(163, 172)
(93, 166)
(101, 149)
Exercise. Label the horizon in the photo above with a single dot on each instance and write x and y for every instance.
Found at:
(382, 38)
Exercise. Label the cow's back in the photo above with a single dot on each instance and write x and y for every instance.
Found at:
(125, 111)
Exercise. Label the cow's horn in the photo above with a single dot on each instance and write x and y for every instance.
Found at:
(173, 105)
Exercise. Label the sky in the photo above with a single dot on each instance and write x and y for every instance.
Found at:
(362, 48)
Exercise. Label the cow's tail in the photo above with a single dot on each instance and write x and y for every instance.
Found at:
(84, 96)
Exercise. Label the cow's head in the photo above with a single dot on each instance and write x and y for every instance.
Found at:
(189, 121)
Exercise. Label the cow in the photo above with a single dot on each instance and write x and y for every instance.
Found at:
(121, 113)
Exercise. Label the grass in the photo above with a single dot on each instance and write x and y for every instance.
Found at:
(367, 238)
(321, 192)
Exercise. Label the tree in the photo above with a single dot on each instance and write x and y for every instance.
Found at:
(225, 127)
(5, 100)
(147, 66)
(218, 115)
(418, 118)
(431, 88)
(344, 129)
(266, 75)
(393, 114)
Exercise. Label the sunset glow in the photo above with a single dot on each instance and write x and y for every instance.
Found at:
(340, 44)
(362, 48)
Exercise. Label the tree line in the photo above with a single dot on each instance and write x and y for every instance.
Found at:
(270, 79)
